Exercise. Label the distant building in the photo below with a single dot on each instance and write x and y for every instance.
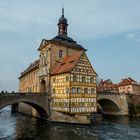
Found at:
(64, 71)
(107, 86)
(128, 85)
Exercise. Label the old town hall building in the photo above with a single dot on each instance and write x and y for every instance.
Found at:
(64, 72)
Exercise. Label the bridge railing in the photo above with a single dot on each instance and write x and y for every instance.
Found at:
(23, 94)
(117, 93)
(108, 93)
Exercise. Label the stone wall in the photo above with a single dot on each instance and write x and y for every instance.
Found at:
(133, 105)
(67, 118)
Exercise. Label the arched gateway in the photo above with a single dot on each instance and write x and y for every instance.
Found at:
(38, 101)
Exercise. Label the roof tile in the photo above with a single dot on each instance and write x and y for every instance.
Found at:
(68, 63)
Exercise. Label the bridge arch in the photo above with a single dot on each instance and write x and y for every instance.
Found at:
(108, 106)
(41, 110)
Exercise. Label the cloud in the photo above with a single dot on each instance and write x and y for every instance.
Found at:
(134, 36)
(99, 18)
(23, 23)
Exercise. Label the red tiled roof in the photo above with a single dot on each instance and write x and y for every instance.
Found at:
(107, 85)
(127, 81)
(68, 63)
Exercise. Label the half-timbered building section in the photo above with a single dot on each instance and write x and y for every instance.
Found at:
(73, 85)
(60, 92)
(83, 86)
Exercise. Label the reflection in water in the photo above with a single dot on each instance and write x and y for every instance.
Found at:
(18, 126)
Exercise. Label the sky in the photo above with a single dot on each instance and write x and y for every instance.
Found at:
(109, 29)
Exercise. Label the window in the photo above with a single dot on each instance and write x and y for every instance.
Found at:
(36, 88)
(65, 104)
(53, 90)
(91, 79)
(74, 78)
(54, 80)
(60, 53)
(64, 28)
(67, 90)
(78, 90)
(83, 79)
(73, 90)
(83, 104)
(128, 89)
(85, 90)
(92, 90)
(47, 54)
(67, 78)
(80, 104)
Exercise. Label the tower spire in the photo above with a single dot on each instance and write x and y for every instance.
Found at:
(63, 11)
(62, 24)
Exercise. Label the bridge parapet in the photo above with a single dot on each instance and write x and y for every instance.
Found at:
(23, 94)
(111, 93)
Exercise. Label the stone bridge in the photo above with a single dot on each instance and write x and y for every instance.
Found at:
(109, 103)
(38, 101)
(113, 103)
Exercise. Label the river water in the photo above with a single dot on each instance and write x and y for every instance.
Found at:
(17, 126)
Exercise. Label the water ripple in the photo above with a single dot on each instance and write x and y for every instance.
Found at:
(20, 127)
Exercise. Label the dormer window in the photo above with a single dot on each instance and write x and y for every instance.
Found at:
(60, 53)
